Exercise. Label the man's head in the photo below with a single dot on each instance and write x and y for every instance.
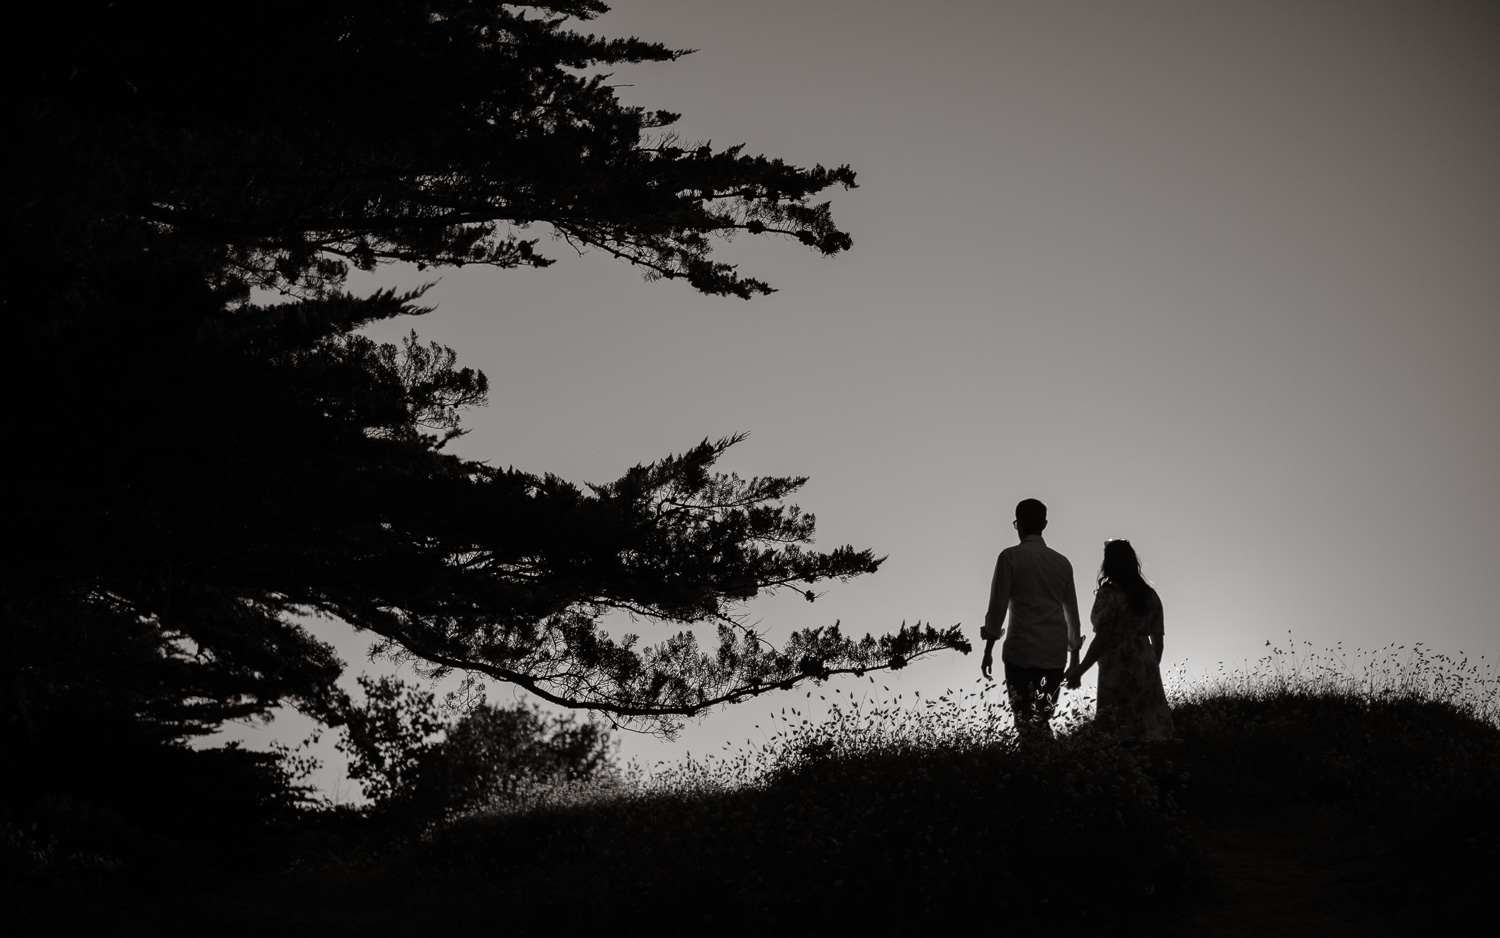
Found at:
(1031, 517)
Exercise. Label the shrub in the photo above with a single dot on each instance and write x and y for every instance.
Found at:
(135, 804)
(413, 764)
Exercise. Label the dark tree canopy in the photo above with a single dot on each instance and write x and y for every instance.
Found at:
(292, 138)
(197, 466)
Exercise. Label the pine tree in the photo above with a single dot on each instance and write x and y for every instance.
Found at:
(201, 466)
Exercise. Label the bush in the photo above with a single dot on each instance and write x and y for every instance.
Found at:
(144, 805)
(415, 765)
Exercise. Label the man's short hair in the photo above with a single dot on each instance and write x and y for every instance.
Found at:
(1031, 515)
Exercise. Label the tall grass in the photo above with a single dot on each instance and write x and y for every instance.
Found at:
(891, 810)
(884, 812)
(873, 725)
(889, 813)
(1402, 741)
(1395, 672)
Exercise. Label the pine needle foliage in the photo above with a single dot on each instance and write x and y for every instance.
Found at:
(214, 452)
(299, 139)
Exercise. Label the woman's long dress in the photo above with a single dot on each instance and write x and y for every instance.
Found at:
(1131, 699)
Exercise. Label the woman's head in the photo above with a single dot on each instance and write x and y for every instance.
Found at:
(1120, 561)
(1122, 568)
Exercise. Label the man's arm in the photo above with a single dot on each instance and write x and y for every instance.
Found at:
(987, 663)
(1070, 615)
(994, 616)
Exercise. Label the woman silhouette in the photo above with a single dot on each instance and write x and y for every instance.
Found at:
(1127, 645)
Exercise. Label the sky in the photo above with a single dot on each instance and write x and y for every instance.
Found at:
(1221, 278)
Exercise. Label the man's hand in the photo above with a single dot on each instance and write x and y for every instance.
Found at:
(987, 664)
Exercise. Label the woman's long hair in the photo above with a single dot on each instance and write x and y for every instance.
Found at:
(1122, 569)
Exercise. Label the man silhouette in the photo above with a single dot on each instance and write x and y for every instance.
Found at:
(1034, 584)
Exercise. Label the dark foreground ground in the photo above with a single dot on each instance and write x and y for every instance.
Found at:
(1287, 814)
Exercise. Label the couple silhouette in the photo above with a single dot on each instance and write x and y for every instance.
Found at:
(1033, 590)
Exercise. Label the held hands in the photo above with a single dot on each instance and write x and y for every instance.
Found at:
(1073, 676)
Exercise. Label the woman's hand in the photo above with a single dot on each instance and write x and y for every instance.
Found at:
(1073, 676)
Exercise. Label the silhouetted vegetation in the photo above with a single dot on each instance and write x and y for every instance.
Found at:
(885, 839)
(1406, 744)
(416, 766)
(885, 817)
(213, 452)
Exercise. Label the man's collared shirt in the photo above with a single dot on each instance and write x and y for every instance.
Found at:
(1033, 584)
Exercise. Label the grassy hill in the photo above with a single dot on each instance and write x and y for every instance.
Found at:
(1299, 799)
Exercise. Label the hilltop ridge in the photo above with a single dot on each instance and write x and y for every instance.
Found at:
(1286, 807)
